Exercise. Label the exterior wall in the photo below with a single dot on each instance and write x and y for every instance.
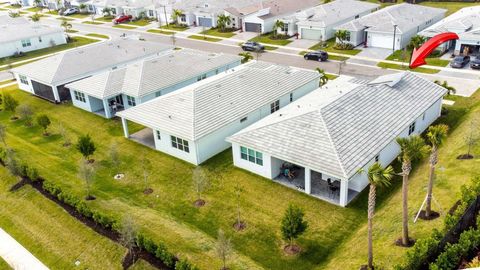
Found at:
(356, 37)
(10, 48)
(264, 170)
(91, 104)
(165, 145)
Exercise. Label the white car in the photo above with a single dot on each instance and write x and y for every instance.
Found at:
(70, 11)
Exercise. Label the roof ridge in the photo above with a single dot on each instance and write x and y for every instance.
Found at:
(334, 146)
(140, 81)
(62, 55)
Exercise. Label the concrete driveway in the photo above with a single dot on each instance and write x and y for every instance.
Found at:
(302, 43)
(376, 53)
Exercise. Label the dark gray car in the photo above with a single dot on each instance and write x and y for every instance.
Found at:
(252, 46)
(460, 61)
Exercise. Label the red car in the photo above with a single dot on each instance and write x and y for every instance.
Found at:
(122, 18)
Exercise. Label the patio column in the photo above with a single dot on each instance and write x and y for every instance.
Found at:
(308, 181)
(343, 192)
(106, 108)
(125, 128)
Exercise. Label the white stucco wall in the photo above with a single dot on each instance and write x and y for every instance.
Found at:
(37, 43)
(165, 145)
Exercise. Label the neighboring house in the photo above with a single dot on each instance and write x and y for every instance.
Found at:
(466, 23)
(115, 90)
(402, 21)
(192, 123)
(47, 77)
(154, 9)
(331, 133)
(18, 35)
(319, 23)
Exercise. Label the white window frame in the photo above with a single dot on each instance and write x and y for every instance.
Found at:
(275, 106)
(131, 101)
(23, 79)
(251, 155)
(80, 96)
(180, 144)
(291, 97)
(26, 43)
(159, 136)
(411, 128)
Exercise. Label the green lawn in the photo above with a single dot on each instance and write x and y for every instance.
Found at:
(141, 22)
(6, 81)
(75, 42)
(404, 56)
(328, 47)
(34, 9)
(19, 64)
(199, 37)
(105, 18)
(451, 7)
(266, 38)
(158, 31)
(65, 19)
(14, 6)
(79, 15)
(94, 23)
(174, 27)
(405, 67)
(52, 12)
(4, 264)
(97, 35)
(216, 32)
(123, 26)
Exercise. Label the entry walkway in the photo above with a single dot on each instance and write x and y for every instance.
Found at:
(16, 255)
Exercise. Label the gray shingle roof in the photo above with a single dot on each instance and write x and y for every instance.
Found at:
(12, 29)
(340, 133)
(405, 16)
(202, 108)
(83, 61)
(153, 74)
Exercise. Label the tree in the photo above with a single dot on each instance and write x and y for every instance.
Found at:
(114, 158)
(62, 131)
(293, 226)
(416, 41)
(222, 22)
(66, 25)
(128, 236)
(377, 177)
(86, 172)
(246, 57)
(86, 146)
(200, 183)
(11, 162)
(471, 139)
(435, 137)
(239, 224)
(412, 148)
(341, 35)
(146, 166)
(176, 14)
(107, 11)
(35, 17)
(276, 25)
(13, 14)
(3, 134)
(10, 104)
(450, 89)
(223, 248)
(44, 122)
(82, 7)
(26, 114)
(37, 3)
(323, 78)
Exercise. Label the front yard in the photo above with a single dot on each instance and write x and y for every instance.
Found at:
(404, 56)
(141, 22)
(328, 47)
(269, 39)
(216, 32)
(201, 37)
(405, 66)
(174, 27)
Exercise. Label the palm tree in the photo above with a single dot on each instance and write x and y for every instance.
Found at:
(341, 35)
(435, 136)
(82, 7)
(450, 89)
(223, 21)
(66, 25)
(417, 41)
(323, 78)
(35, 17)
(377, 176)
(412, 148)
(37, 3)
(246, 57)
(276, 25)
(177, 13)
(107, 12)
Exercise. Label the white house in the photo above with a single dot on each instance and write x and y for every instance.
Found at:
(331, 133)
(154, 9)
(192, 123)
(319, 23)
(466, 23)
(400, 22)
(18, 35)
(122, 88)
(47, 77)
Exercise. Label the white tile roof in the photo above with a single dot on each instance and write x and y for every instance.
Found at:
(204, 107)
(13, 29)
(83, 61)
(151, 75)
(405, 16)
(340, 128)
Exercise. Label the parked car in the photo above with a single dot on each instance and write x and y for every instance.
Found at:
(460, 61)
(252, 46)
(475, 63)
(316, 55)
(70, 11)
(122, 19)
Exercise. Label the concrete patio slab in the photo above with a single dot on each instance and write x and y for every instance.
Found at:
(145, 137)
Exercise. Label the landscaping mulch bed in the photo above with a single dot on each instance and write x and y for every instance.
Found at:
(240, 226)
(399, 243)
(292, 249)
(433, 215)
(199, 203)
(465, 156)
(148, 191)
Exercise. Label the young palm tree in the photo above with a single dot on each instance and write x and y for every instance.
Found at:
(323, 78)
(276, 25)
(177, 13)
(412, 148)
(341, 35)
(417, 41)
(435, 136)
(377, 176)
(223, 21)
(246, 57)
(66, 25)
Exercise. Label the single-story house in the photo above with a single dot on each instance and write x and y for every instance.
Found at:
(318, 143)
(192, 123)
(18, 35)
(319, 23)
(47, 77)
(136, 8)
(400, 22)
(115, 90)
(466, 23)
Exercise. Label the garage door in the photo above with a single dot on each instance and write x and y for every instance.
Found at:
(207, 22)
(253, 27)
(380, 41)
(312, 34)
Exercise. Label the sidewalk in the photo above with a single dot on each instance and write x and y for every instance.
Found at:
(16, 255)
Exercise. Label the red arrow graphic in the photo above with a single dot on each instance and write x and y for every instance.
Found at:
(419, 55)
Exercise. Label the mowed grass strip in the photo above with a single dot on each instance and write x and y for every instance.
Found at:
(123, 26)
(93, 23)
(158, 31)
(4, 264)
(204, 38)
(97, 35)
(405, 67)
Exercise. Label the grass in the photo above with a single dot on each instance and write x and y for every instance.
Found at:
(216, 32)
(19, 64)
(52, 12)
(94, 23)
(158, 31)
(97, 35)
(75, 42)
(105, 18)
(174, 27)
(79, 15)
(451, 7)
(198, 37)
(405, 67)
(141, 22)
(432, 61)
(123, 26)
(6, 82)
(72, 31)
(65, 19)
(34, 9)
(328, 47)
(331, 76)
(267, 39)
(14, 6)
(4, 264)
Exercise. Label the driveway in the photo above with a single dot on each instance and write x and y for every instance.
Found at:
(302, 43)
(245, 35)
(16, 255)
(375, 53)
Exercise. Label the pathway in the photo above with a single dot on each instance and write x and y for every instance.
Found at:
(16, 255)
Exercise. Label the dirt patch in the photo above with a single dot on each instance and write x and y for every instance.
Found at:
(240, 226)
(292, 249)
(90, 161)
(148, 191)
(433, 215)
(199, 203)
(454, 207)
(14, 118)
(90, 198)
(18, 185)
(130, 258)
(67, 144)
(399, 243)
(465, 156)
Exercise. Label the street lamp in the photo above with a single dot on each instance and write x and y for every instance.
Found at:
(394, 32)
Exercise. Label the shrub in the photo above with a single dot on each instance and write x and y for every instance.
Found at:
(184, 265)
(163, 254)
(10, 104)
(342, 46)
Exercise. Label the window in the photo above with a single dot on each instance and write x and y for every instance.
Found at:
(180, 144)
(243, 119)
(23, 79)
(411, 128)
(131, 101)
(150, 13)
(183, 18)
(347, 38)
(357, 16)
(377, 157)
(291, 97)
(159, 93)
(39, 39)
(251, 155)
(158, 135)
(26, 43)
(202, 77)
(114, 11)
(285, 28)
(79, 96)
(275, 106)
(423, 117)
